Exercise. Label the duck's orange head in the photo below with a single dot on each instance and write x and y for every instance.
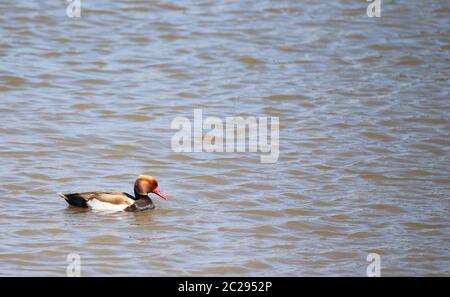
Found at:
(146, 184)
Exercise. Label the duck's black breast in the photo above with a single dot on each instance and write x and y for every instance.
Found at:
(141, 204)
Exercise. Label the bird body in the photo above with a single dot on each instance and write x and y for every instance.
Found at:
(118, 201)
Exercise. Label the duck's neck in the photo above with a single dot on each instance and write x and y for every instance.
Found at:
(138, 196)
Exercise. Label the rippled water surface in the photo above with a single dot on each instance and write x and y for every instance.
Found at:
(87, 104)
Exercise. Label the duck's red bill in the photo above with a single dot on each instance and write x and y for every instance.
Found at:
(158, 192)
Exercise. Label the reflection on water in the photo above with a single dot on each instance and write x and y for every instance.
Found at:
(87, 103)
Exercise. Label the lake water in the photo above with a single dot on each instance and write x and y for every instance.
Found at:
(363, 103)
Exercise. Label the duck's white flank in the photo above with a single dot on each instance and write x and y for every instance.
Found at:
(100, 205)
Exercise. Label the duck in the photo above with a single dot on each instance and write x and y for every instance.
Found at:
(118, 201)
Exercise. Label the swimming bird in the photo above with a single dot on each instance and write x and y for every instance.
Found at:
(119, 201)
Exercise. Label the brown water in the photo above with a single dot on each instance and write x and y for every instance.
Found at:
(87, 104)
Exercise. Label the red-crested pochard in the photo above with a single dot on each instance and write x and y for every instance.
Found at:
(119, 201)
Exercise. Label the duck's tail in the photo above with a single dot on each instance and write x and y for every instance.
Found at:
(63, 196)
(74, 199)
